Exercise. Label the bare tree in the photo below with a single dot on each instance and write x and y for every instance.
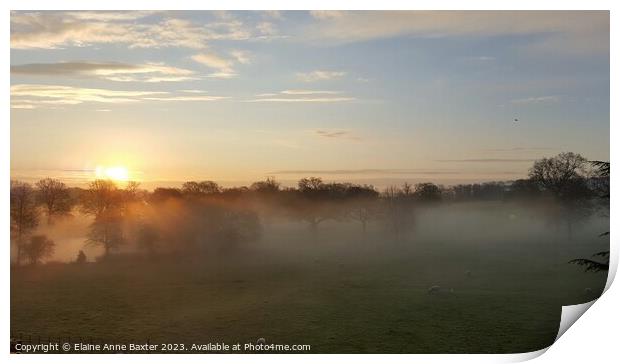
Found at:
(561, 174)
(100, 197)
(106, 231)
(104, 201)
(565, 177)
(54, 196)
(310, 184)
(40, 247)
(316, 202)
(363, 206)
(427, 192)
(132, 192)
(24, 214)
(398, 206)
(201, 188)
(270, 185)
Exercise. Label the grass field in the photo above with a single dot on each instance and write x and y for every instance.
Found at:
(342, 293)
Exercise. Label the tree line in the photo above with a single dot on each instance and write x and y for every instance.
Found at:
(206, 216)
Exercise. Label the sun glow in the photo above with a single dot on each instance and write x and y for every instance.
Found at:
(116, 173)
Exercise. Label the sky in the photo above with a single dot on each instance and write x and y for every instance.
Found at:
(369, 97)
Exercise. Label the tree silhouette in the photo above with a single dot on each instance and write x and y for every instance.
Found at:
(398, 206)
(38, 248)
(24, 214)
(192, 188)
(101, 197)
(364, 204)
(104, 201)
(427, 192)
(594, 265)
(162, 194)
(602, 170)
(54, 196)
(268, 186)
(563, 175)
(106, 231)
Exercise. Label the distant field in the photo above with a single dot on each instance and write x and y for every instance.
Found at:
(341, 294)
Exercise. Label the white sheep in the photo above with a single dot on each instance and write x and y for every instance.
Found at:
(437, 290)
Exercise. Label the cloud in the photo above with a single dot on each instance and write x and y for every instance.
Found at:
(309, 92)
(320, 76)
(273, 14)
(564, 31)
(537, 100)
(479, 59)
(76, 95)
(110, 15)
(30, 96)
(331, 133)
(484, 160)
(518, 149)
(295, 96)
(336, 134)
(214, 61)
(307, 99)
(223, 67)
(187, 98)
(327, 14)
(56, 29)
(266, 28)
(371, 171)
(113, 71)
(243, 57)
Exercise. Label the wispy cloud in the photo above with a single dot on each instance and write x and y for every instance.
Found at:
(558, 31)
(518, 149)
(479, 59)
(214, 61)
(327, 14)
(537, 100)
(310, 92)
(371, 171)
(305, 99)
(273, 14)
(335, 134)
(77, 95)
(113, 71)
(320, 75)
(312, 96)
(223, 67)
(30, 96)
(485, 160)
(243, 57)
(187, 98)
(164, 29)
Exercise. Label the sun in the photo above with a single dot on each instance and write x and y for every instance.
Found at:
(116, 173)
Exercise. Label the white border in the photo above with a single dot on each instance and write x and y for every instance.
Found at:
(592, 339)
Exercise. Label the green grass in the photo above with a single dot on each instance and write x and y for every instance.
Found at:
(340, 295)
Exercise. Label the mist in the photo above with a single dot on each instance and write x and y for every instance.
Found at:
(318, 264)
